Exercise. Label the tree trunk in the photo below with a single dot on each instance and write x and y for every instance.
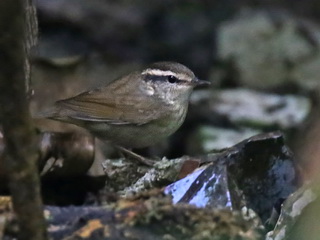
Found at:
(20, 154)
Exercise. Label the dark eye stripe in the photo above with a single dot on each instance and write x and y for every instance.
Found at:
(149, 77)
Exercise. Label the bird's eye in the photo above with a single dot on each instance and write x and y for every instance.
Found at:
(172, 79)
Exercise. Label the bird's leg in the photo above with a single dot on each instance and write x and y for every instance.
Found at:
(136, 156)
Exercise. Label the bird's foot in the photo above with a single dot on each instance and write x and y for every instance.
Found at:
(137, 157)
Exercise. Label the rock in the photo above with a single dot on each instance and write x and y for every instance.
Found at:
(299, 216)
(270, 48)
(264, 170)
(261, 168)
(255, 109)
(207, 186)
(208, 138)
(127, 178)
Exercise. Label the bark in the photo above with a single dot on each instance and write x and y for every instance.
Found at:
(20, 154)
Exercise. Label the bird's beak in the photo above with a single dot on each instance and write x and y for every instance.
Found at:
(198, 82)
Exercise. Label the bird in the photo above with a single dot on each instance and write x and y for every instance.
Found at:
(136, 110)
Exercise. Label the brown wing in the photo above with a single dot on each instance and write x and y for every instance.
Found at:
(114, 104)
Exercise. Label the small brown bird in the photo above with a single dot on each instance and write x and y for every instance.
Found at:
(136, 110)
